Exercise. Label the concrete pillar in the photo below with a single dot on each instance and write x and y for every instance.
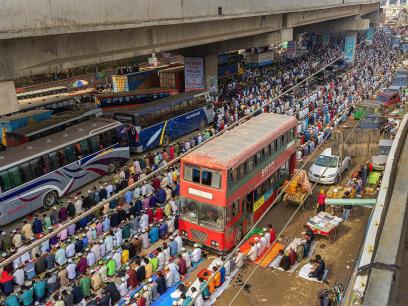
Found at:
(8, 98)
(325, 38)
(350, 46)
(211, 72)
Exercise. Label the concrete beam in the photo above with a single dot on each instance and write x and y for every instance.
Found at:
(236, 44)
(346, 24)
(27, 18)
(27, 56)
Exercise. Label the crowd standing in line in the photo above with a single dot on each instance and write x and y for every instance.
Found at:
(100, 258)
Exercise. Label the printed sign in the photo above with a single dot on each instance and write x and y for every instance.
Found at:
(349, 46)
(194, 73)
(369, 36)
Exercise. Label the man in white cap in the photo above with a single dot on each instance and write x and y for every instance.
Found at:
(161, 258)
(71, 269)
(144, 221)
(267, 235)
(253, 252)
(147, 294)
(264, 243)
(175, 269)
(186, 256)
(118, 236)
(96, 249)
(17, 239)
(145, 239)
(196, 254)
(122, 287)
(153, 287)
(179, 241)
(78, 205)
(90, 258)
(259, 246)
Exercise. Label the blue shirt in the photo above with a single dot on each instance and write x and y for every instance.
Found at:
(106, 224)
(154, 234)
(39, 288)
(128, 197)
(173, 248)
(27, 297)
(12, 300)
(161, 196)
(163, 230)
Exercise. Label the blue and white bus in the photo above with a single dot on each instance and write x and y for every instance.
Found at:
(159, 123)
(36, 174)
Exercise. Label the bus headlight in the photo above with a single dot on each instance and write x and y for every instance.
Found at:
(184, 233)
(214, 243)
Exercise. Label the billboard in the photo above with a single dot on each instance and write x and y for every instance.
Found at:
(369, 36)
(349, 46)
(194, 73)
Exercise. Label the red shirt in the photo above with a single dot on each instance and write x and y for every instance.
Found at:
(273, 235)
(141, 301)
(321, 199)
(158, 215)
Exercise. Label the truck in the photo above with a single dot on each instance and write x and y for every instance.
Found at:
(172, 78)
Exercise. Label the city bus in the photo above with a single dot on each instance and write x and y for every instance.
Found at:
(36, 174)
(132, 98)
(49, 126)
(228, 183)
(42, 92)
(157, 124)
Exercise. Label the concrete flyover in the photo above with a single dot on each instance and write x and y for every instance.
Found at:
(41, 36)
(380, 276)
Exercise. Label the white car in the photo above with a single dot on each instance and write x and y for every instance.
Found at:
(326, 169)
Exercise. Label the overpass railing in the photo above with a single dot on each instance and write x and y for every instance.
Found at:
(375, 276)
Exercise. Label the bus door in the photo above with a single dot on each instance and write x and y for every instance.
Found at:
(248, 208)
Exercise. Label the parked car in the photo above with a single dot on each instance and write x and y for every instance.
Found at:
(384, 148)
(327, 168)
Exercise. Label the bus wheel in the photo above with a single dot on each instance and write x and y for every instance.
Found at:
(50, 199)
(203, 125)
(166, 141)
(238, 236)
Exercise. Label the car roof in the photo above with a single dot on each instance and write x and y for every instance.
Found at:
(385, 142)
(327, 152)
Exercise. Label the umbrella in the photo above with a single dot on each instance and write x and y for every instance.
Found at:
(79, 83)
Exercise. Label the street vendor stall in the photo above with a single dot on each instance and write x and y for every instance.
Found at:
(325, 224)
(298, 189)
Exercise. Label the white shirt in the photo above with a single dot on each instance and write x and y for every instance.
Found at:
(196, 255)
(161, 258)
(19, 277)
(179, 242)
(71, 274)
(253, 253)
(78, 206)
(70, 250)
(186, 257)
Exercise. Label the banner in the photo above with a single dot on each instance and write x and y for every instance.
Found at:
(369, 36)
(194, 73)
(292, 49)
(349, 45)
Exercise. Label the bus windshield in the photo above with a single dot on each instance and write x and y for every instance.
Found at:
(206, 215)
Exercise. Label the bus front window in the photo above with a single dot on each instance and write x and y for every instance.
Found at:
(211, 216)
(189, 210)
(206, 215)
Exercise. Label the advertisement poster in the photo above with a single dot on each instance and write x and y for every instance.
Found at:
(369, 36)
(292, 49)
(194, 73)
(349, 46)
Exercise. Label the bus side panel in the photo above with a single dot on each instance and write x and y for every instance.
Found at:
(149, 138)
(184, 124)
(94, 166)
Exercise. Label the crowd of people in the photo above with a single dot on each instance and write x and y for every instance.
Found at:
(99, 259)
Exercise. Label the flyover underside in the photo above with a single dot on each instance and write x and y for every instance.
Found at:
(25, 56)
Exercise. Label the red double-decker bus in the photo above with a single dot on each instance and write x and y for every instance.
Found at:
(227, 184)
